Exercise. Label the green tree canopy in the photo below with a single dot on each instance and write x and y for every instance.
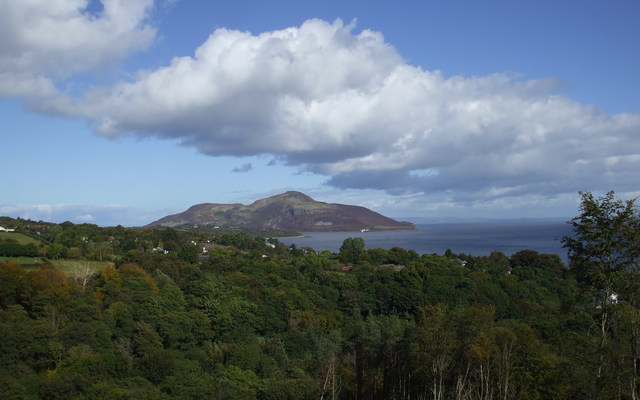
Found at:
(351, 250)
(606, 239)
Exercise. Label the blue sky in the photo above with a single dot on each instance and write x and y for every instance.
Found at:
(121, 112)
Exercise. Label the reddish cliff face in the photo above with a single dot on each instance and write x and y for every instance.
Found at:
(288, 211)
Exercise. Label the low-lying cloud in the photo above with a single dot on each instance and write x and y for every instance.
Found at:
(345, 104)
(105, 215)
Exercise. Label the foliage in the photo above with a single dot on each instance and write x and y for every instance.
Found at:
(9, 248)
(606, 239)
(251, 319)
(351, 250)
(604, 255)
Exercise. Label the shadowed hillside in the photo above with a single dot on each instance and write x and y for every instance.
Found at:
(287, 211)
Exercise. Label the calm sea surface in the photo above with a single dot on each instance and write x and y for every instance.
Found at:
(478, 239)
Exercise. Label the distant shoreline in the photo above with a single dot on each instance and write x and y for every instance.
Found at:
(477, 239)
(368, 230)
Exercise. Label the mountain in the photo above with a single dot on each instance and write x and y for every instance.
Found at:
(291, 211)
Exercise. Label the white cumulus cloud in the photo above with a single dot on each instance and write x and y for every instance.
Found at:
(332, 101)
(346, 104)
(42, 41)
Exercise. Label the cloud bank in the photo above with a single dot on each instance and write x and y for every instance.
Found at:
(332, 101)
(105, 215)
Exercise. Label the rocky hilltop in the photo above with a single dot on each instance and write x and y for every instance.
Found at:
(292, 211)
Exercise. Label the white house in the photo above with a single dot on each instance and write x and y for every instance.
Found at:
(3, 229)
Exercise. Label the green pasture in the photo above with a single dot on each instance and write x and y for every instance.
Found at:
(31, 263)
(66, 264)
(23, 260)
(27, 263)
(19, 237)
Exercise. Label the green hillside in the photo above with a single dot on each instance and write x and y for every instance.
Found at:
(19, 237)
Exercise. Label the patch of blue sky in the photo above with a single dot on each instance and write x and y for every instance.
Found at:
(422, 173)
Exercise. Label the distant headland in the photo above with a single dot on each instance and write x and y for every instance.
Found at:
(290, 211)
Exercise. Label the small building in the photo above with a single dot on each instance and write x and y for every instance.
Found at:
(3, 229)
(160, 249)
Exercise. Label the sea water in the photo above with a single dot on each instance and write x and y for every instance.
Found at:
(477, 239)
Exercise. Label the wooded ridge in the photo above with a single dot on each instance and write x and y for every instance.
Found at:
(160, 313)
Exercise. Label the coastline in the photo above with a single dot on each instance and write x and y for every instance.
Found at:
(475, 239)
(364, 230)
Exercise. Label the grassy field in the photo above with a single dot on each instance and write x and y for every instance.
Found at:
(31, 263)
(22, 239)
(23, 260)
(27, 263)
(66, 265)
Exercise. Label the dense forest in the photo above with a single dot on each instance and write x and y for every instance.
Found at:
(169, 314)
